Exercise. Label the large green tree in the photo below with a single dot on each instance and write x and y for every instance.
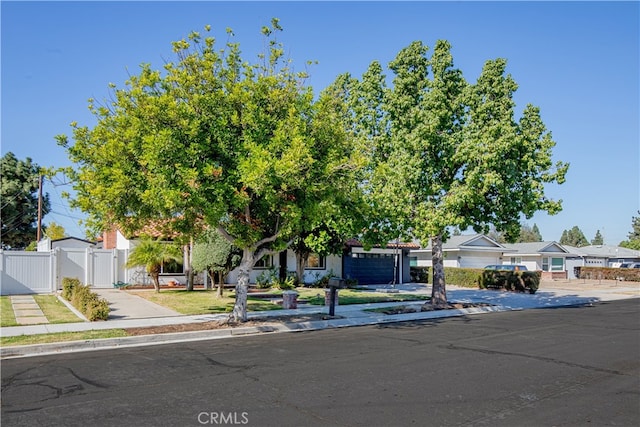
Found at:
(452, 153)
(529, 234)
(215, 140)
(19, 201)
(633, 238)
(574, 237)
(597, 239)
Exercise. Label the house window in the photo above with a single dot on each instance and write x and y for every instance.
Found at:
(172, 267)
(557, 264)
(264, 262)
(316, 262)
(516, 260)
(413, 261)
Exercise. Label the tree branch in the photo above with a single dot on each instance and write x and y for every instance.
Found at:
(226, 234)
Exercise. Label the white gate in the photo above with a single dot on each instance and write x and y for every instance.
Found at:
(42, 272)
(26, 273)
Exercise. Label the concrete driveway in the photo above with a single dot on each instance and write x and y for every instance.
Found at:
(123, 305)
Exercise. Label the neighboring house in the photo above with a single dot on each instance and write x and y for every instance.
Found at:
(548, 257)
(46, 244)
(478, 251)
(599, 256)
(466, 251)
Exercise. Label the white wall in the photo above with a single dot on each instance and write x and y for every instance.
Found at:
(26, 272)
(42, 272)
(333, 264)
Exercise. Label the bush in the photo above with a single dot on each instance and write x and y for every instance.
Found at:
(86, 301)
(519, 281)
(608, 273)
(68, 287)
(419, 274)
(465, 277)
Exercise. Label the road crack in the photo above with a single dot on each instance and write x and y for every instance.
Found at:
(535, 357)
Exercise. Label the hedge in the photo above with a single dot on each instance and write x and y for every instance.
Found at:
(519, 281)
(86, 301)
(608, 273)
(490, 279)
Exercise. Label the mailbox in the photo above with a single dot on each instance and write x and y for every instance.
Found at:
(336, 282)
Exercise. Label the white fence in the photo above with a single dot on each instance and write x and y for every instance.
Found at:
(42, 272)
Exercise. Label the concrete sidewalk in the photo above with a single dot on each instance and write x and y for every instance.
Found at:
(350, 315)
(123, 305)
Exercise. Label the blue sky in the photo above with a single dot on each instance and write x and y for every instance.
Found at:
(577, 61)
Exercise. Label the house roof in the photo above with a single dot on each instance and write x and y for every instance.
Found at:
(355, 243)
(604, 251)
(73, 238)
(473, 242)
(535, 248)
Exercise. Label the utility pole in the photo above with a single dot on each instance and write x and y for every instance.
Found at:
(39, 232)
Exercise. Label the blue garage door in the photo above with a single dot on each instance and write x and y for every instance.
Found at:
(369, 269)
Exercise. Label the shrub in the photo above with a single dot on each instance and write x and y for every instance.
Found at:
(285, 285)
(68, 286)
(465, 277)
(86, 301)
(419, 274)
(519, 281)
(608, 273)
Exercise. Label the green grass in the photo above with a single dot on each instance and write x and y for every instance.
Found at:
(353, 296)
(54, 310)
(201, 301)
(7, 318)
(62, 336)
(206, 302)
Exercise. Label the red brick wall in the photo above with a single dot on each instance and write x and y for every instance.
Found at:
(109, 239)
(554, 275)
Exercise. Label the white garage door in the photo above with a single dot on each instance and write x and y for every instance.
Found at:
(478, 262)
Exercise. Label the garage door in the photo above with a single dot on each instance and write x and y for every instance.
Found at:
(368, 270)
(478, 262)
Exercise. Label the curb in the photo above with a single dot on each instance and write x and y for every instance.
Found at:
(192, 336)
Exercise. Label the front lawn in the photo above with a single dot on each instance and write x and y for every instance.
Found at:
(206, 302)
(7, 317)
(315, 296)
(201, 301)
(54, 310)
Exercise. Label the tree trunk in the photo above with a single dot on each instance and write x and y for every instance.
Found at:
(156, 281)
(301, 262)
(220, 284)
(239, 313)
(187, 267)
(438, 291)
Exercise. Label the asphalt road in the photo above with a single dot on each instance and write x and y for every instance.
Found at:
(554, 367)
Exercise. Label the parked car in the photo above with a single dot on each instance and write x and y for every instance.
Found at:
(506, 267)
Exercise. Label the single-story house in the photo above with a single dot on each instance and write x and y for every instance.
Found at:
(374, 266)
(478, 251)
(46, 244)
(548, 257)
(599, 256)
(464, 251)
